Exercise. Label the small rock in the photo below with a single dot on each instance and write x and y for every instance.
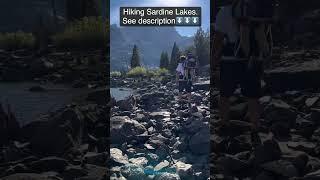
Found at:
(49, 164)
(310, 102)
(117, 157)
(269, 151)
(281, 167)
(132, 171)
(140, 161)
(167, 176)
(307, 147)
(73, 172)
(161, 167)
(99, 159)
(238, 111)
(184, 170)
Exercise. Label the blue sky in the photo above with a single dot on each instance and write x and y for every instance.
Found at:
(184, 31)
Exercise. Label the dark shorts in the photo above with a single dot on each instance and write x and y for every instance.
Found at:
(185, 85)
(237, 73)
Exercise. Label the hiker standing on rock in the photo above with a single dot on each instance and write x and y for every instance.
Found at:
(239, 45)
(185, 73)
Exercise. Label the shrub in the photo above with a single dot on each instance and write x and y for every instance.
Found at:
(87, 33)
(161, 72)
(137, 72)
(115, 74)
(16, 40)
(151, 73)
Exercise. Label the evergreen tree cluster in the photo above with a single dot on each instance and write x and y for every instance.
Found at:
(200, 49)
(202, 46)
(164, 60)
(175, 55)
(135, 59)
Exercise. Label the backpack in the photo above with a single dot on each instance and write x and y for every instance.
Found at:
(255, 37)
(190, 66)
(191, 62)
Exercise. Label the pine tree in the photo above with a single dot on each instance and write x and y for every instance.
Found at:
(135, 59)
(202, 46)
(162, 60)
(175, 54)
(166, 60)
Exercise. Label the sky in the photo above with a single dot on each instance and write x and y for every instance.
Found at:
(184, 31)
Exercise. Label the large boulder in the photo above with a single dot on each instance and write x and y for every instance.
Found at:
(49, 164)
(99, 159)
(123, 129)
(117, 157)
(200, 139)
(204, 85)
(95, 172)
(280, 111)
(232, 165)
(184, 170)
(133, 172)
(74, 172)
(167, 176)
(59, 134)
(269, 151)
(281, 167)
(298, 76)
(127, 104)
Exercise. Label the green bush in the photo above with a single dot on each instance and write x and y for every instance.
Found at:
(87, 33)
(115, 74)
(151, 73)
(142, 72)
(137, 72)
(16, 40)
(161, 72)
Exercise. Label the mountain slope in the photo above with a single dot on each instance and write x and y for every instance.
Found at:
(151, 41)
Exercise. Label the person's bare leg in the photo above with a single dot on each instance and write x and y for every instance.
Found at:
(224, 109)
(254, 112)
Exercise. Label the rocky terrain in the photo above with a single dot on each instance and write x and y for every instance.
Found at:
(289, 129)
(68, 144)
(78, 68)
(154, 136)
(290, 109)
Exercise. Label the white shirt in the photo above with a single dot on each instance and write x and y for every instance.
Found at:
(180, 69)
(226, 24)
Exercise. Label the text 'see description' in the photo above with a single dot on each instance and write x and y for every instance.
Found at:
(160, 16)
